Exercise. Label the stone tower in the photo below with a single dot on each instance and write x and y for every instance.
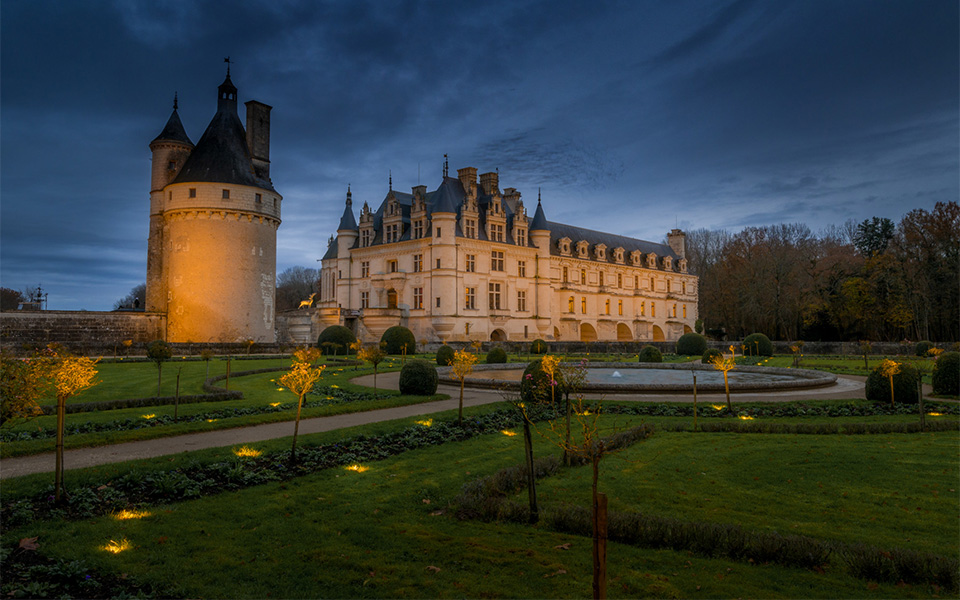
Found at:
(212, 249)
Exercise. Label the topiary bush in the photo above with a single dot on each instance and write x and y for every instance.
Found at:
(691, 344)
(650, 354)
(904, 385)
(496, 355)
(946, 374)
(535, 384)
(398, 337)
(538, 347)
(763, 348)
(711, 355)
(923, 347)
(336, 334)
(419, 378)
(445, 355)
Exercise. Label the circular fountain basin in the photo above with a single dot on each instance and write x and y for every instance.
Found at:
(658, 378)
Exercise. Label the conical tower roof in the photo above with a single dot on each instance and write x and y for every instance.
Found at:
(347, 221)
(539, 218)
(173, 131)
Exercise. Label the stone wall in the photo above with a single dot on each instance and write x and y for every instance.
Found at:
(78, 329)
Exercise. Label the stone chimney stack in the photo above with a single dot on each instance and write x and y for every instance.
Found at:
(490, 182)
(468, 179)
(258, 137)
(677, 240)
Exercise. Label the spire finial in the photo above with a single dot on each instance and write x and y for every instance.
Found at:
(538, 195)
(349, 196)
(446, 166)
(391, 179)
(227, 60)
(174, 101)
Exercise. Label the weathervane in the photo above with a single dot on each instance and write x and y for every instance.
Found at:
(227, 60)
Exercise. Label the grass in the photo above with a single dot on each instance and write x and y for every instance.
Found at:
(341, 533)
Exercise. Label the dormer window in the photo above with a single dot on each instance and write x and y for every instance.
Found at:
(564, 245)
(582, 247)
(668, 263)
(618, 255)
(682, 263)
(600, 251)
(636, 258)
(651, 261)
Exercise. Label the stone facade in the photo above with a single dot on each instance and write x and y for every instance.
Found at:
(211, 258)
(464, 262)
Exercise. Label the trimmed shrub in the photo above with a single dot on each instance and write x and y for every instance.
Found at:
(923, 347)
(904, 385)
(419, 378)
(445, 355)
(650, 354)
(536, 387)
(946, 374)
(398, 337)
(335, 334)
(496, 355)
(538, 347)
(758, 345)
(691, 344)
(710, 355)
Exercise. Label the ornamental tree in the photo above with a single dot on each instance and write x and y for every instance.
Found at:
(159, 351)
(462, 366)
(300, 380)
(70, 375)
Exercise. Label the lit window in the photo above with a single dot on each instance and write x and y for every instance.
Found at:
(471, 263)
(471, 298)
(570, 304)
(643, 309)
(494, 289)
(583, 306)
(418, 297)
(496, 261)
(583, 276)
(606, 307)
(620, 307)
(521, 237)
(674, 315)
(417, 263)
(653, 309)
(418, 229)
(521, 268)
(684, 311)
(521, 300)
(470, 228)
(496, 233)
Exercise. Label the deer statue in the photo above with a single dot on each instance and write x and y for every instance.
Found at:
(308, 302)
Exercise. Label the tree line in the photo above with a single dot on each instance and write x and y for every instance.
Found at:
(872, 280)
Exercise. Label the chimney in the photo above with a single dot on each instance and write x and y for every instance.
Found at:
(677, 241)
(490, 183)
(468, 179)
(258, 137)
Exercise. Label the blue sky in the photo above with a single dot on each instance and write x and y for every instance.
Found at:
(631, 117)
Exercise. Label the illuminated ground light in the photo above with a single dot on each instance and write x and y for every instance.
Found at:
(211, 420)
(274, 404)
(335, 386)
(125, 515)
(357, 468)
(279, 389)
(508, 433)
(150, 416)
(426, 423)
(745, 417)
(117, 546)
(246, 452)
(935, 414)
(717, 406)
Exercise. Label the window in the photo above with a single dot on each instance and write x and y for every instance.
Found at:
(684, 284)
(259, 198)
(193, 192)
(365, 269)
(393, 233)
(583, 306)
(643, 309)
(391, 266)
(620, 307)
(494, 289)
(470, 228)
(651, 284)
(438, 263)
(364, 299)
(470, 299)
(653, 309)
(521, 300)
(496, 260)
(438, 232)
(684, 311)
(521, 237)
(496, 233)
(521, 268)
(583, 276)
(365, 238)
(674, 313)
(172, 165)
(339, 274)
(601, 277)
(525, 332)
(619, 280)
(570, 304)
(636, 282)
(565, 275)
(471, 263)
(418, 297)
(417, 263)
(391, 298)
(438, 301)
(606, 307)
(418, 229)
(170, 196)
(466, 328)
(226, 194)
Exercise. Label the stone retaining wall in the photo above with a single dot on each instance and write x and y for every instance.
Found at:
(77, 329)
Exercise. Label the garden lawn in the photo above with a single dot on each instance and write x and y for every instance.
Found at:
(387, 531)
(259, 390)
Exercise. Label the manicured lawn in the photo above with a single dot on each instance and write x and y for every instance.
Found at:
(341, 533)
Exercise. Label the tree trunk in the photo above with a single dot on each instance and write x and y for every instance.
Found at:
(296, 430)
(460, 416)
(726, 386)
(891, 389)
(531, 476)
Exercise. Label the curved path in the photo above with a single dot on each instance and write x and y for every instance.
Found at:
(847, 387)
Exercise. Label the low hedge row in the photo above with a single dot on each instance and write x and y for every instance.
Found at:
(81, 407)
(138, 489)
(779, 411)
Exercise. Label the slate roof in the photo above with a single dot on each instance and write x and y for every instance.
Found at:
(612, 241)
(221, 155)
(539, 219)
(173, 131)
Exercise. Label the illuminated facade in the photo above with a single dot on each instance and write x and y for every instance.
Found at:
(464, 262)
(214, 214)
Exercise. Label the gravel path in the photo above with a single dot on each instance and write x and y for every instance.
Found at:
(847, 387)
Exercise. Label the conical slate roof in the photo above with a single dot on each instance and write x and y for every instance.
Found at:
(347, 221)
(173, 131)
(539, 219)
